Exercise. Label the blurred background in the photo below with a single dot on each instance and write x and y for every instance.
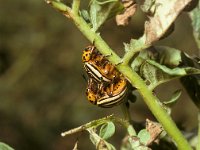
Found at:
(42, 91)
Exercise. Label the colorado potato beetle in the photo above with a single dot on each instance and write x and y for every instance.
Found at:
(97, 66)
(107, 95)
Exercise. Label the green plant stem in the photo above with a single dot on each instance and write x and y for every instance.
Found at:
(129, 55)
(75, 6)
(198, 141)
(135, 80)
(99, 122)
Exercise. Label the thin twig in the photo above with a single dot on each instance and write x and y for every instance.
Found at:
(96, 123)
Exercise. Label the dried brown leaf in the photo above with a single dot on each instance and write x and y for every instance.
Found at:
(130, 9)
(155, 129)
(165, 13)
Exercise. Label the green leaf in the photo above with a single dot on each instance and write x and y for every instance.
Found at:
(4, 146)
(84, 13)
(134, 45)
(130, 143)
(107, 130)
(100, 11)
(153, 76)
(144, 136)
(195, 17)
(58, 5)
(162, 64)
(173, 98)
(167, 105)
(173, 72)
(168, 56)
(131, 130)
(98, 141)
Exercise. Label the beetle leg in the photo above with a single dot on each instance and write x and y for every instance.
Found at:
(109, 89)
(108, 55)
(119, 63)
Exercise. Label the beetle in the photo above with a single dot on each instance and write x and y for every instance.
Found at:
(97, 66)
(107, 95)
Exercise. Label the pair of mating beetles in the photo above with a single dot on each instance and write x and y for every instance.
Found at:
(106, 87)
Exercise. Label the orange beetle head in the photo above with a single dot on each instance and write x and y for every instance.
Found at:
(91, 96)
(88, 53)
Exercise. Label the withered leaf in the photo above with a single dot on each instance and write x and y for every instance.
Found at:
(130, 9)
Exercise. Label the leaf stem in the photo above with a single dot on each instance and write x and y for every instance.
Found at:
(129, 54)
(135, 80)
(96, 123)
(75, 6)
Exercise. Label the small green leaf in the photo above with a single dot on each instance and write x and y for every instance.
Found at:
(173, 98)
(131, 130)
(162, 64)
(4, 146)
(107, 130)
(168, 56)
(98, 141)
(173, 72)
(195, 17)
(153, 76)
(100, 11)
(58, 5)
(85, 15)
(134, 45)
(144, 136)
(130, 143)
(167, 105)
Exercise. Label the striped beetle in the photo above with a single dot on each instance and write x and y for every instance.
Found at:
(107, 95)
(98, 67)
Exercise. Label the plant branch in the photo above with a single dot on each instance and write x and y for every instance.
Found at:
(130, 53)
(75, 6)
(135, 80)
(98, 122)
